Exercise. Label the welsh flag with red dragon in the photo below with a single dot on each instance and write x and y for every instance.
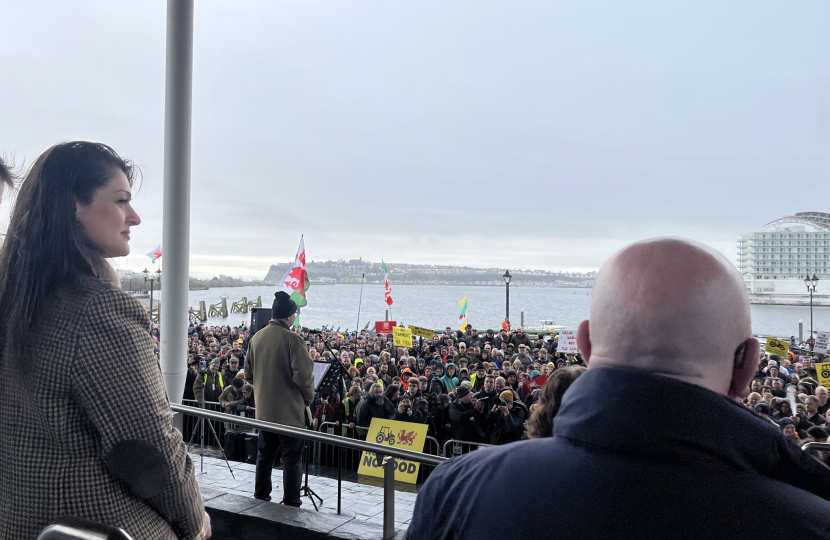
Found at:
(295, 281)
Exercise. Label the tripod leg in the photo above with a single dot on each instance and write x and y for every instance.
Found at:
(307, 491)
(216, 438)
(192, 436)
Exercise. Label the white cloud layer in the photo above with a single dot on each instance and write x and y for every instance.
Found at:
(483, 133)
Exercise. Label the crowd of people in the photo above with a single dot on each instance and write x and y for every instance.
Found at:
(479, 388)
(786, 393)
(486, 388)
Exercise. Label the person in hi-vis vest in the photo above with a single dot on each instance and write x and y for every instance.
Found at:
(209, 387)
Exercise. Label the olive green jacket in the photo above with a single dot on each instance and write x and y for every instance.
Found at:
(280, 369)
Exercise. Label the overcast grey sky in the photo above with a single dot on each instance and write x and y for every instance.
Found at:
(513, 134)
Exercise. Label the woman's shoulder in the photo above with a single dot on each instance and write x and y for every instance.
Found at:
(90, 296)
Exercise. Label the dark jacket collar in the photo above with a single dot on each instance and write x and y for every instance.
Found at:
(633, 411)
(279, 322)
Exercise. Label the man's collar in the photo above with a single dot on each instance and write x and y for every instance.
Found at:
(633, 411)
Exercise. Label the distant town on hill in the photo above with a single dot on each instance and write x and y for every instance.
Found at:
(429, 274)
(414, 274)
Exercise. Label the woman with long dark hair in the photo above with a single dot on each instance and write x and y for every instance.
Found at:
(86, 426)
(540, 424)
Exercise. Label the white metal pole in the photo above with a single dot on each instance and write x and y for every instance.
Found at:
(178, 86)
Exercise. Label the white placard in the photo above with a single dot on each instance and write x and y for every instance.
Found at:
(821, 342)
(567, 342)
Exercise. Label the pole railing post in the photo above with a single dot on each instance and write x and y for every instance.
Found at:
(178, 91)
(388, 498)
(507, 302)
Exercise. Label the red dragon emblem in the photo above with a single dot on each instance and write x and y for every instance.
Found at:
(296, 279)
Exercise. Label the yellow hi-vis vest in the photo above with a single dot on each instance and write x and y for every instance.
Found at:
(221, 381)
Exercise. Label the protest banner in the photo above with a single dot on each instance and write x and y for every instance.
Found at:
(823, 372)
(821, 342)
(567, 342)
(406, 435)
(384, 327)
(402, 337)
(776, 346)
(425, 333)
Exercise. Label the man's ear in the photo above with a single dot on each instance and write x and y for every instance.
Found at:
(745, 364)
(583, 340)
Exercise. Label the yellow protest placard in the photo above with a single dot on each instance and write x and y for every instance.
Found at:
(402, 337)
(823, 372)
(404, 435)
(776, 346)
(425, 333)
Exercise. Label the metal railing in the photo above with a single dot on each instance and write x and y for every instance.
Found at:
(813, 446)
(461, 447)
(71, 528)
(386, 454)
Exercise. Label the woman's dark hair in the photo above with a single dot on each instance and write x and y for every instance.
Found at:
(541, 420)
(6, 176)
(391, 391)
(44, 247)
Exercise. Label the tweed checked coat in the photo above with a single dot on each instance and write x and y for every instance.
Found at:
(86, 428)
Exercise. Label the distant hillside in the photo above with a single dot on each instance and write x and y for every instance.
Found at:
(351, 271)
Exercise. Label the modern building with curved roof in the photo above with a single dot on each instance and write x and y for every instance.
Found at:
(819, 220)
(777, 260)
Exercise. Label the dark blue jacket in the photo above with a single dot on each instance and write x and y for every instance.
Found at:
(634, 455)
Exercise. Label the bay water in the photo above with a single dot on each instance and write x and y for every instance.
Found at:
(437, 306)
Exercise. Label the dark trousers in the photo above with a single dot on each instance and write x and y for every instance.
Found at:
(290, 450)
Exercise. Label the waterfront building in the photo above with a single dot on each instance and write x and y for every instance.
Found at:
(775, 262)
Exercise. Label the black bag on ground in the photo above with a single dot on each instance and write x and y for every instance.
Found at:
(234, 445)
(251, 447)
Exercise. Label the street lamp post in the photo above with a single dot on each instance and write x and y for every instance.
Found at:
(811, 288)
(152, 279)
(507, 277)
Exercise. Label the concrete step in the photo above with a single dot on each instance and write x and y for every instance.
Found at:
(234, 517)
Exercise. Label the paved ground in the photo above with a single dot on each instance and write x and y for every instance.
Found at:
(362, 501)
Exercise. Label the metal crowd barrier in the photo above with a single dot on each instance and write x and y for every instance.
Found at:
(817, 446)
(460, 447)
(325, 454)
(191, 425)
(71, 528)
(386, 454)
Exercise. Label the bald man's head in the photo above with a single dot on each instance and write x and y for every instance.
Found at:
(676, 307)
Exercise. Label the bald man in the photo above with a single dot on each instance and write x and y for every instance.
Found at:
(652, 441)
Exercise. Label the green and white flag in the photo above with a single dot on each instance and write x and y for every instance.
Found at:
(295, 281)
(462, 319)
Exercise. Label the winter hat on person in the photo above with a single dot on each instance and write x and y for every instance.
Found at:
(533, 374)
(511, 372)
(784, 422)
(506, 395)
(238, 383)
(462, 391)
(283, 306)
(215, 361)
(762, 407)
